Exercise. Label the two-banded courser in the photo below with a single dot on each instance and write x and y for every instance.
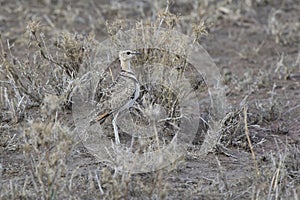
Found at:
(122, 93)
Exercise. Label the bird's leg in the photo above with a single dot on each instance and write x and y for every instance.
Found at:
(114, 123)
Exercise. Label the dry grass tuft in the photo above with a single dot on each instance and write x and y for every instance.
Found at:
(43, 46)
(46, 147)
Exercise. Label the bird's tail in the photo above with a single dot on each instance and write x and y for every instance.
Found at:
(100, 118)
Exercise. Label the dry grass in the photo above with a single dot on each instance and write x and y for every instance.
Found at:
(256, 47)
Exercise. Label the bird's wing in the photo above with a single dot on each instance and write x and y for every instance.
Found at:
(114, 98)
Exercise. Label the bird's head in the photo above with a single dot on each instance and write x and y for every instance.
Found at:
(127, 55)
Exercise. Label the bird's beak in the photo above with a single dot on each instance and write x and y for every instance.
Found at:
(137, 53)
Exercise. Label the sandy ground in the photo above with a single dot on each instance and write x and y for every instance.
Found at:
(255, 45)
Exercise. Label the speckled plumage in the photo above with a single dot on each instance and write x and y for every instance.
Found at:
(122, 94)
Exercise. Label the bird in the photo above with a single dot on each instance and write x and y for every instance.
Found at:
(122, 93)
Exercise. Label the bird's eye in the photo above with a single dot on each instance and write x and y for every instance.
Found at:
(128, 52)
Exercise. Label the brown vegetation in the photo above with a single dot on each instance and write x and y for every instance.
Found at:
(255, 44)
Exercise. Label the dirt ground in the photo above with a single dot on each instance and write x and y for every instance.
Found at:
(255, 45)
